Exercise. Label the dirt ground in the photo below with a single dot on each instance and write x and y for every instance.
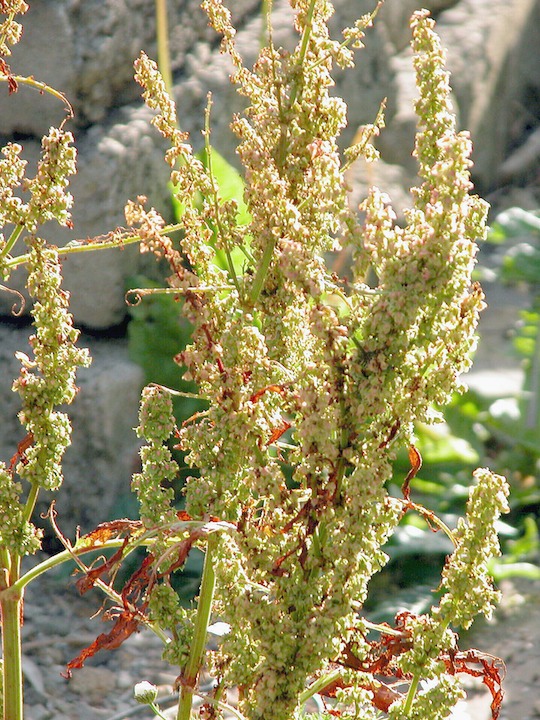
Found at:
(513, 636)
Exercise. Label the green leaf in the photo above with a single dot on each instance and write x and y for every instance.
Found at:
(157, 332)
(437, 444)
(512, 223)
(501, 570)
(229, 182)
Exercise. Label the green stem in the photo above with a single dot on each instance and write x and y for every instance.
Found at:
(217, 213)
(262, 272)
(30, 502)
(266, 12)
(11, 606)
(41, 86)
(303, 50)
(82, 246)
(157, 712)
(193, 666)
(55, 560)
(433, 519)
(11, 241)
(260, 277)
(413, 687)
(318, 685)
(164, 56)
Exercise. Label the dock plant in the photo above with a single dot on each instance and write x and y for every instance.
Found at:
(309, 383)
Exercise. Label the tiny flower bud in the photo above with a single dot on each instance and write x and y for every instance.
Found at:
(145, 693)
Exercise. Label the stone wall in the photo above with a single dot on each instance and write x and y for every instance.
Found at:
(86, 49)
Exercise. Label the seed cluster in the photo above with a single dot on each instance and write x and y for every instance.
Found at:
(312, 381)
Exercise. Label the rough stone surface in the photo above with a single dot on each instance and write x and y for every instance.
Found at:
(86, 48)
(395, 14)
(117, 160)
(494, 60)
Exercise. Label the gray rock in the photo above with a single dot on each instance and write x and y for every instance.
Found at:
(117, 160)
(86, 48)
(93, 684)
(395, 14)
(494, 60)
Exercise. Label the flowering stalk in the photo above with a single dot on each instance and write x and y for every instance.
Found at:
(311, 382)
(198, 645)
(47, 377)
(272, 351)
(46, 380)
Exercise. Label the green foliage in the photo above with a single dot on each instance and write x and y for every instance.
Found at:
(157, 332)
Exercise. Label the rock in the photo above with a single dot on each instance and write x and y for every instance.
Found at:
(391, 179)
(121, 156)
(396, 141)
(395, 14)
(117, 160)
(86, 49)
(495, 65)
(522, 162)
(93, 684)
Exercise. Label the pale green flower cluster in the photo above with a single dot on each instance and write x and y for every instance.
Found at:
(465, 575)
(17, 534)
(12, 168)
(166, 611)
(145, 693)
(156, 423)
(469, 592)
(10, 30)
(280, 343)
(435, 702)
(429, 638)
(48, 378)
(49, 199)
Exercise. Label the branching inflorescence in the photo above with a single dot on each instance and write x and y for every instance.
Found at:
(311, 383)
(281, 345)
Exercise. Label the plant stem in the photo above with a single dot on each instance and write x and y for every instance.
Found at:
(30, 502)
(11, 605)
(258, 283)
(58, 559)
(162, 33)
(413, 687)
(215, 201)
(8, 247)
(303, 50)
(82, 246)
(296, 89)
(319, 684)
(193, 666)
(42, 87)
